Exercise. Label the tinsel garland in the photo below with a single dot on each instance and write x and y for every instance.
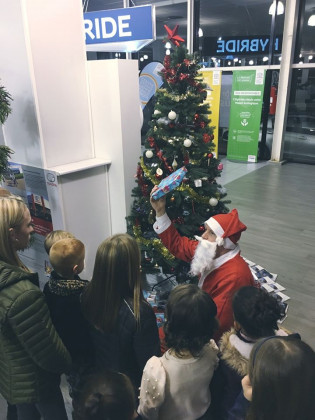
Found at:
(147, 173)
(178, 98)
(155, 243)
(193, 194)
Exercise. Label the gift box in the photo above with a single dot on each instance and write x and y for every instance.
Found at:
(169, 183)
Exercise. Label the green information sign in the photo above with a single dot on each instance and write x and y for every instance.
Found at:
(245, 114)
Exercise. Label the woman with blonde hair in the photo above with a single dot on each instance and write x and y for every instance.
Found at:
(32, 356)
(123, 325)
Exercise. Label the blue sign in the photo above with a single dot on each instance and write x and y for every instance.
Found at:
(127, 29)
(241, 45)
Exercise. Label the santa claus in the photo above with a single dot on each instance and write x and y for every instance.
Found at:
(215, 257)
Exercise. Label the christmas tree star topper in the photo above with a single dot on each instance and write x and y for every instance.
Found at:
(172, 35)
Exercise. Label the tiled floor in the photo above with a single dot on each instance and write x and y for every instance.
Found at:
(234, 170)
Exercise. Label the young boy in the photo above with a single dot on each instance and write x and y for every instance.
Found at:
(62, 293)
(55, 236)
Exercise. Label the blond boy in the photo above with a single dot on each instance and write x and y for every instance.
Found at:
(63, 292)
(55, 236)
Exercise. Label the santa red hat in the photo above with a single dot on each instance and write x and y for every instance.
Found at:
(227, 228)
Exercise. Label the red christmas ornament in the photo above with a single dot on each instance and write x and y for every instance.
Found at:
(211, 136)
(167, 62)
(201, 229)
(210, 156)
(171, 125)
(183, 76)
(206, 138)
(202, 124)
(151, 141)
(172, 35)
(187, 62)
(196, 116)
(186, 158)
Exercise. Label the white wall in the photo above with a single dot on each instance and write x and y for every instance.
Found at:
(115, 104)
(43, 66)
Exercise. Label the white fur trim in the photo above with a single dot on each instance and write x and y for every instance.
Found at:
(226, 257)
(217, 229)
(215, 226)
(162, 223)
(219, 240)
(228, 244)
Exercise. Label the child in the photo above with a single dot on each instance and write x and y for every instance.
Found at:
(63, 292)
(122, 324)
(280, 382)
(176, 385)
(55, 236)
(104, 395)
(256, 314)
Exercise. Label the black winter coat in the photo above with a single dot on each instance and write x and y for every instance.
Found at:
(128, 347)
(63, 300)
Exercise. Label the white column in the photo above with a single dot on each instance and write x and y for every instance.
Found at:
(288, 45)
(114, 89)
(190, 25)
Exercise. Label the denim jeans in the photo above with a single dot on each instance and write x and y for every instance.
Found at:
(50, 409)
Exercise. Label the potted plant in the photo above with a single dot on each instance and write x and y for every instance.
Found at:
(5, 110)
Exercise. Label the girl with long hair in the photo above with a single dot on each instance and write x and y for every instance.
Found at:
(280, 381)
(123, 325)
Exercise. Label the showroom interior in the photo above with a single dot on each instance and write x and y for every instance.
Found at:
(56, 127)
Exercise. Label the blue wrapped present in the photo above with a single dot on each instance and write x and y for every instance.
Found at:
(169, 183)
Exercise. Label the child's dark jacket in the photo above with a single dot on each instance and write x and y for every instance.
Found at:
(63, 300)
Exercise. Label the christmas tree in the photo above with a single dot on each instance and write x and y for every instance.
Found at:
(180, 134)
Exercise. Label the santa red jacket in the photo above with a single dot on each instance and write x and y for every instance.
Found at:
(230, 271)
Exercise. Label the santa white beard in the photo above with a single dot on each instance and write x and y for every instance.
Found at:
(204, 257)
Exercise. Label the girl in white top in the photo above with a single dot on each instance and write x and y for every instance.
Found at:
(176, 385)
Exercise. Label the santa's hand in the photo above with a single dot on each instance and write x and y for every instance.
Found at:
(159, 204)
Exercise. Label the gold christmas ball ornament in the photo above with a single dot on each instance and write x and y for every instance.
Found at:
(187, 143)
(172, 115)
(149, 154)
(213, 201)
